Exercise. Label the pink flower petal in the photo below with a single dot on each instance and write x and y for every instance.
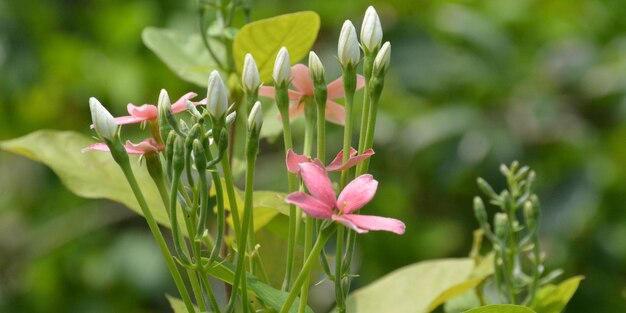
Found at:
(365, 223)
(98, 146)
(266, 91)
(335, 113)
(309, 205)
(354, 159)
(317, 182)
(293, 161)
(270, 92)
(301, 79)
(335, 88)
(336, 163)
(181, 104)
(147, 145)
(146, 111)
(129, 119)
(357, 193)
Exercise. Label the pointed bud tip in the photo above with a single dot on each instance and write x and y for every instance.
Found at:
(250, 79)
(104, 123)
(255, 120)
(316, 68)
(217, 98)
(282, 67)
(348, 49)
(382, 60)
(371, 31)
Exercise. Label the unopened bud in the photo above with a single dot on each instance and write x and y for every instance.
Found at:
(250, 79)
(178, 159)
(282, 67)
(316, 68)
(217, 98)
(348, 47)
(501, 224)
(371, 31)
(164, 110)
(102, 120)
(230, 118)
(484, 186)
(199, 156)
(381, 62)
(255, 120)
(529, 214)
(192, 108)
(479, 211)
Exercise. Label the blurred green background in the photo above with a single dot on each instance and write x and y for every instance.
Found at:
(473, 84)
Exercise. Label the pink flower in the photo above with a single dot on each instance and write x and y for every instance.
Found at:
(303, 83)
(146, 146)
(149, 112)
(323, 204)
(294, 160)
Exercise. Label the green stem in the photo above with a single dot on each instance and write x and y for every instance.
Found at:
(205, 40)
(349, 85)
(293, 221)
(232, 197)
(308, 266)
(157, 176)
(368, 61)
(308, 230)
(124, 164)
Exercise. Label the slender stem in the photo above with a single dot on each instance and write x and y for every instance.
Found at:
(232, 197)
(205, 40)
(307, 267)
(157, 176)
(368, 60)
(240, 277)
(221, 213)
(204, 281)
(124, 164)
(349, 85)
(308, 230)
(293, 221)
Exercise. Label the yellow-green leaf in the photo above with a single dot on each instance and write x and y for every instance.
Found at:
(263, 38)
(90, 175)
(501, 308)
(554, 298)
(185, 54)
(413, 288)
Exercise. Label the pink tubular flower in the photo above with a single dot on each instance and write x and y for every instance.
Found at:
(303, 83)
(146, 146)
(294, 160)
(149, 112)
(323, 204)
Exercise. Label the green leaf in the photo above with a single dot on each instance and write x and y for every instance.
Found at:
(414, 288)
(501, 308)
(90, 175)
(177, 304)
(553, 299)
(266, 205)
(184, 54)
(263, 38)
(272, 297)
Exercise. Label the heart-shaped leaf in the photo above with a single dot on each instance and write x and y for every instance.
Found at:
(263, 38)
(185, 54)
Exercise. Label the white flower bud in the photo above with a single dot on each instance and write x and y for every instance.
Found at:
(103, 121)
(371, 31)
(255, 120)
(217, 98)
(348, 49)
(250, 79)
(381, 62)
(230, 118)
(282, 67)
(316, 68)
(164, 105)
